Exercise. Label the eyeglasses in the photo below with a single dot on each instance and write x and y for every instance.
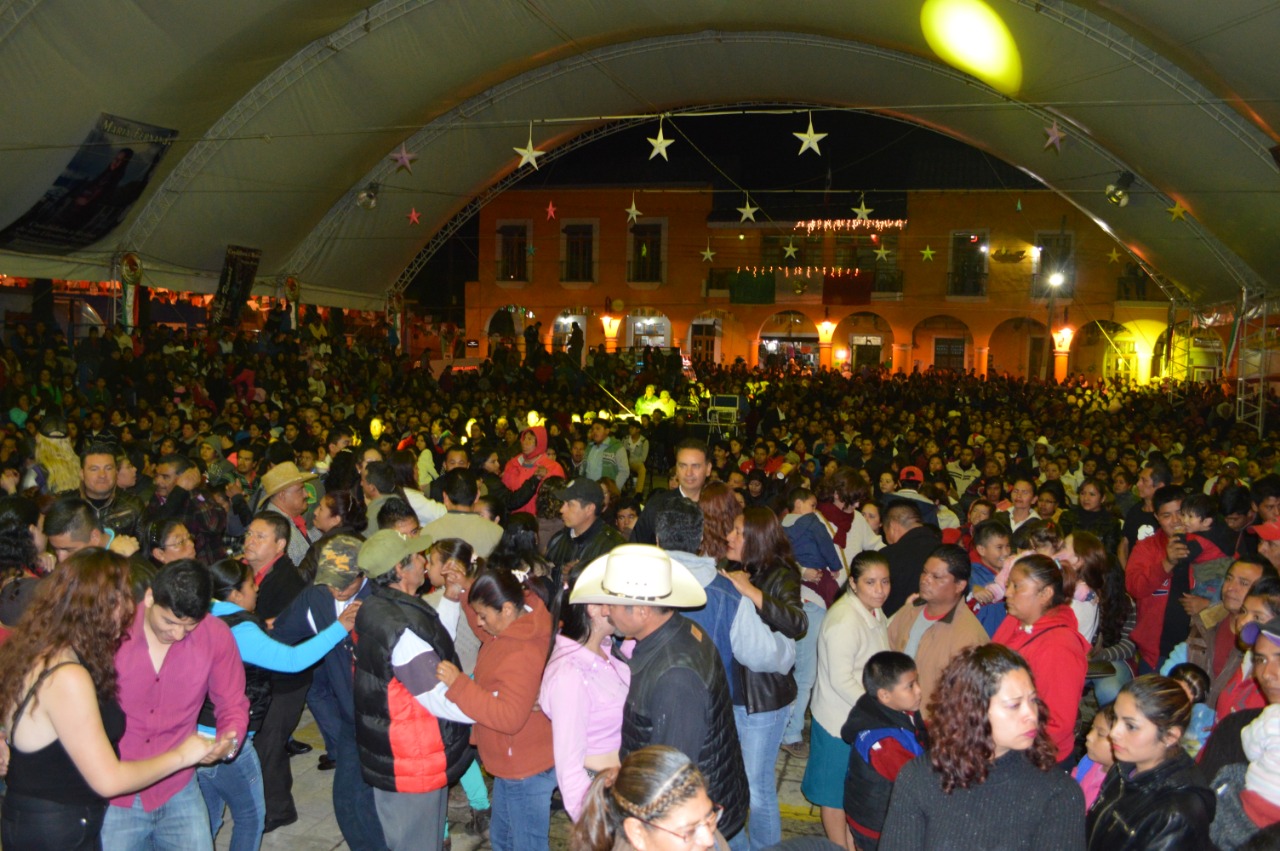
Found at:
(178, 543)
(687, 837)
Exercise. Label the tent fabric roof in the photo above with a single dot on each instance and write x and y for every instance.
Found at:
(286, 109)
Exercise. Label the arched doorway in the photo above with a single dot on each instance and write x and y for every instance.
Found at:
(788, 336)
(706, 335)
(942, 342)
(863, 340)
(1017, 348)
(1104, 349)
(563, 327)
(1196, 354)
(506, 326)
(648, 326)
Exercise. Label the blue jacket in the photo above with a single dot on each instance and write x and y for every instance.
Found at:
(336, 667)
(812, 544)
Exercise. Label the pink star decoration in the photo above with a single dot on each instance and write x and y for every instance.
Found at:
(551, 210)
(404, 159)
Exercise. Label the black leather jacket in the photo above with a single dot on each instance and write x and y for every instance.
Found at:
(783, 612)
(1168, 808)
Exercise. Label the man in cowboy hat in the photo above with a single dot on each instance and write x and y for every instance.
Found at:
(284, 492)
(679, 694)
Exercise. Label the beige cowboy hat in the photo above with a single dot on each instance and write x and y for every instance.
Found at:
(282, 476)
(638, 575)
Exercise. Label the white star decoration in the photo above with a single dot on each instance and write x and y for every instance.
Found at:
(707, 253)
(862, 210)
(789, 250)
(632, 212)
(809, 140)
(748, 211)
(1056, 136)
(404, 159)
(528, 154)
(660, 144)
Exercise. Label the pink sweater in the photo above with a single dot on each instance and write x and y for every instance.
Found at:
(583, 695)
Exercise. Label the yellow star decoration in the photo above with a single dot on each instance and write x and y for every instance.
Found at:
(633, 212)
(790, 250)
(882, 253)
(1114, 256)
(926, 254)
(707, 253)
(1177, 211)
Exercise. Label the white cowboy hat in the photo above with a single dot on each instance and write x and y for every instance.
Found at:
(638, 575)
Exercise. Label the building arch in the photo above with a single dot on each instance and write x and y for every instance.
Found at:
(863, 339)
(1017, 348)
(940, 341)
(648, 326)
(788, 335)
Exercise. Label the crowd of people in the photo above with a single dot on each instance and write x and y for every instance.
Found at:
(979, 610)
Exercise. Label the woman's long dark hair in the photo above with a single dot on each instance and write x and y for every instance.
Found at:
(764, 544)
(228, 575)
(17, 550)
(960, 745)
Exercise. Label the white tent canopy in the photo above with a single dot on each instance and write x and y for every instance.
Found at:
(285, 109)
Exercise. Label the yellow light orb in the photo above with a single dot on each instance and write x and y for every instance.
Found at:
(375, 428)
(970, 36)
(534, 418)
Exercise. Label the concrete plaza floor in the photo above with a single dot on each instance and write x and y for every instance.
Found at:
(316, 829)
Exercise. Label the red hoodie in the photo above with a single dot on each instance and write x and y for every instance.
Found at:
(1058, 656)
(1148, 584)
(524, 466)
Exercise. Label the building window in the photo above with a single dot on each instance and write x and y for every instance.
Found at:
(1055, 255)
(948, 353)
(968, 275)
(646, 252)
(578, 252)
(513, 251)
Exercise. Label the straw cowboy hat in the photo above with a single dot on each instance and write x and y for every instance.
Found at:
(282, 476)
(639, 575)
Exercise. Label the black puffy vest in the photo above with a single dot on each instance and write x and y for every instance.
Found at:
(866, 792)
(385, 615)
(720, 760)
(257, 681)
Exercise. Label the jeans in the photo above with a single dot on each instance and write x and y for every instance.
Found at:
(179, 824)
(760, 735)
(521, 818)
(323, 704)
(238, 785)
(353, 800)
(37, 824)
(1106, 689)
(806, 672)
(412, 821)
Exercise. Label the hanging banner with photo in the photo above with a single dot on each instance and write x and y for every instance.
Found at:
(95, 190)
(236, 282)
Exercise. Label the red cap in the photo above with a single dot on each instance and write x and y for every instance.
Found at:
(911, 474)
(1269, 531)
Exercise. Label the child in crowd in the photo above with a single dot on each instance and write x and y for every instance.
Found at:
(813, 544)
(1200, 519)
(885, 732)
(1195, 681)
(991, 545)
(1098, 758)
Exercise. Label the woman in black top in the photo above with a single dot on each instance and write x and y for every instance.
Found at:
(988, 779)
(1153, 797)
(58, 701)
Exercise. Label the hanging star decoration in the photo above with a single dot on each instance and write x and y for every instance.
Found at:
(882, 253)
(632, 212)
(660, 144)
(1177, 211)
(707, 253)
(404, 159)
(551, 210)
(789, 250)
(809, 140)
(862, 210)
(1114, 256)
(1056, 136)
(926, 254)
(531, 250)
(413, 216)
(747, 211)
(528, 154)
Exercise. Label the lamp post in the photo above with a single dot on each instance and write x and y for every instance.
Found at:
(1055, 280)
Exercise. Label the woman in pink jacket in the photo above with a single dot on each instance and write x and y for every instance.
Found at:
(532, 461)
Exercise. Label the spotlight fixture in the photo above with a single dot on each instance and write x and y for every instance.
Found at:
(367, 198)
(1118, 192)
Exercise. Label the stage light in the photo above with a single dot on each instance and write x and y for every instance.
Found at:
(1118, 192)
(367, 198)
(970, 36)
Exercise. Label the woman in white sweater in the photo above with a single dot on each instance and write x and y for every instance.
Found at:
(853, 631)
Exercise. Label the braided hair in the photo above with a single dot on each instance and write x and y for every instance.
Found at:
(650, 783)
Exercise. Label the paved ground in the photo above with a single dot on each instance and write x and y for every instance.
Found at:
(316, 829)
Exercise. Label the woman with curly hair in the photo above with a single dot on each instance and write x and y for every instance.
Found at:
(989, 753)
(58, 702)
(720, 510)
(656, 799)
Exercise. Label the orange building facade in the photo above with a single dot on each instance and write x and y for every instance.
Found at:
(967, 280)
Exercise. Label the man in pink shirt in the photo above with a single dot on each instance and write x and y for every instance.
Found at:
(172, 656)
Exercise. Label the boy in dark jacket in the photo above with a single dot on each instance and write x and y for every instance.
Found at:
(885, 732)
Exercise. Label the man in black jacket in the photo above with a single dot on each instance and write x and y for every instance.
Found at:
(679, 694)
(910, 543)
(585, 536)
(693, 465)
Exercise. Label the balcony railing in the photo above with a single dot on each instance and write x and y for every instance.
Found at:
(577, 271)
(967, 283)
(508, 270)
(646, 271)
(887, 281)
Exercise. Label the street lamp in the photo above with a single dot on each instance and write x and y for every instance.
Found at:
(1056, 279)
